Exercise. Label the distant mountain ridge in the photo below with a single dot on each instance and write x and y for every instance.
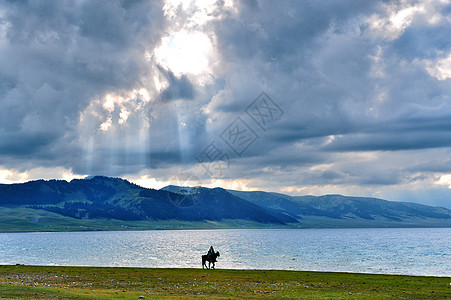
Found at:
(104, 197)
(105, 200)
(344, 207)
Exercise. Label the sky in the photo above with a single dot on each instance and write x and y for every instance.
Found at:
(298, 97)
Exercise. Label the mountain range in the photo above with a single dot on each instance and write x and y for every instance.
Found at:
(105, 203)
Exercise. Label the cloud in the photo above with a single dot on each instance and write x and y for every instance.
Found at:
(56, 58)
(398, 16)
(440, 68)
(178, 88)
(142, 88)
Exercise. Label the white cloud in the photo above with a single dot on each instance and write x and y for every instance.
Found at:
(445, 180)
(106, 125)
(150, 183)
(439, 68)
(399, 15)
(9, 176)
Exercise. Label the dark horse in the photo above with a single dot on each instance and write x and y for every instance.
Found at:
(211, 260)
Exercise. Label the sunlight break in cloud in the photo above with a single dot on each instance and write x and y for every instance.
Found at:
(126, 105)
(189, 46)
(185, 52)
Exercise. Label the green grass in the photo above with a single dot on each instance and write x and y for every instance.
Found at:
(22, 219)
(35, 282)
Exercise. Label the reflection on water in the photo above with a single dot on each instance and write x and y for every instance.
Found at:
(388, 251)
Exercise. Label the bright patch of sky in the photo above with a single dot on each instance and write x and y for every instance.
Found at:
(185, 52)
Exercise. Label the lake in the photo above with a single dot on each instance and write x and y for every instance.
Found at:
(418, 251)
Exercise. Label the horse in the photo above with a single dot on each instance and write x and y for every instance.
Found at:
(211, 260)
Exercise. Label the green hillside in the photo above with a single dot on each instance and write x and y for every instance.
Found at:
(104, 203)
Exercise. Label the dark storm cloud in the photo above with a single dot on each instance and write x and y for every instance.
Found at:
(415, 128)
(287, 51)
(325, 55)
(179, 88)
(56, 56)
(391, 142)
(346, 90)
(26, 146)
(284, 31)
(365, 101)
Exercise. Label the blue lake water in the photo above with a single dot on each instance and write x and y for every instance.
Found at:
(418, 251)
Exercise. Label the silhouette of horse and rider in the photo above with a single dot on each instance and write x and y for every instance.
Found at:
(211, 258)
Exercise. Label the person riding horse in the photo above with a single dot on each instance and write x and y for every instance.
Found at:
(211, 258)
(211, 252)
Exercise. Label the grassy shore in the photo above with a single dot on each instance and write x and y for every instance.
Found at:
(35, 282)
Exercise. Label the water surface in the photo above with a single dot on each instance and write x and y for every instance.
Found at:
(385, 251)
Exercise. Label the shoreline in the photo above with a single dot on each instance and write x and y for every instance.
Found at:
(69, 282)
(219, 268)
(175, 228)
